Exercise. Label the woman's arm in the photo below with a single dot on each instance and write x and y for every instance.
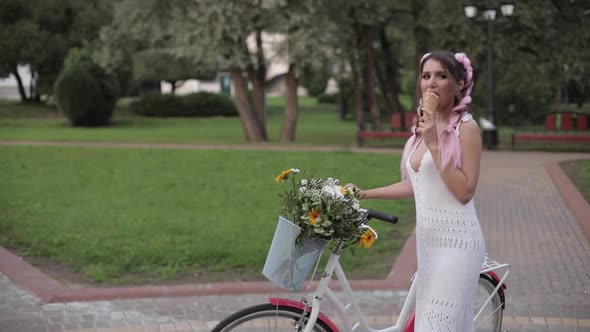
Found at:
(463, 182)
(399, 190)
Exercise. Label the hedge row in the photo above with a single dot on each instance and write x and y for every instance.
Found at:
(200, 104)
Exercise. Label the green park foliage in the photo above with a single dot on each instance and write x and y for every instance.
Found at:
(200, 104)
(86, 95)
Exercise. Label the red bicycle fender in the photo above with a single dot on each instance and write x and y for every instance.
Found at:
(410, 324)
(299, 305)
(494, 276)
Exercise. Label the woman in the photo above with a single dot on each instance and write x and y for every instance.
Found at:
(440, 169)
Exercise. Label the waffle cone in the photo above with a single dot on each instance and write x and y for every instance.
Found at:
(430, 101)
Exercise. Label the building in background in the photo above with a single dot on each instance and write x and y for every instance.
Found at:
(9, 87)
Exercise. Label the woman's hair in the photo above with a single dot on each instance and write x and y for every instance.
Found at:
(457, 68)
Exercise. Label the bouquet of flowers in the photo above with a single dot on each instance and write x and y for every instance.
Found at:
(322, 208)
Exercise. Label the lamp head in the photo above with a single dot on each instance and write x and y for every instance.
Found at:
(489, 14)
(507, 8)
(470, 10)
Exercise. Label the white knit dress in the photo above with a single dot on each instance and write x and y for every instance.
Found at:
(450, 249)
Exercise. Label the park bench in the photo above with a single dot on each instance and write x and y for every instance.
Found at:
(564, 126)
(395, 131)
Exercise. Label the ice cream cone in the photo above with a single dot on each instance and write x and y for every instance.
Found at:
(430, 101)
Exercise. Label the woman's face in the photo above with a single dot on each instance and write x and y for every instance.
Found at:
(435, 79)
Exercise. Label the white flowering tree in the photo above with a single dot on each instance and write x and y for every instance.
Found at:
(206, 32)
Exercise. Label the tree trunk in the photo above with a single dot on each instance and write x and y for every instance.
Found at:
(558, 87)
(558, 99)
(369, 77)
(421, 32)
(21, 88)
(257, 76)
(252, 130)
(32, 90)
(342, 101)
(391, 83)
(291, 107)
(358, 95)
(173, 87)
(258, 99)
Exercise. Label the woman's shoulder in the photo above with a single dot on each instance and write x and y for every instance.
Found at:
(466, 117)
(469, 128)
(468, 124)
(470, 133)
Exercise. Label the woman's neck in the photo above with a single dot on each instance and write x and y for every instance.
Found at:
(443, 116)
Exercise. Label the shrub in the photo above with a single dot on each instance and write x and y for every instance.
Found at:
(86, 94)
(530, 100)
(324, 98)
(200, 104)
(315, 80)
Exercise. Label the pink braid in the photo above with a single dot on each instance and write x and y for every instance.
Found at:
(468, 86)
(449, 145)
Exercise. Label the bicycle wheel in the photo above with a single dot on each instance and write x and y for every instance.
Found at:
(491, 317)
(268, 317)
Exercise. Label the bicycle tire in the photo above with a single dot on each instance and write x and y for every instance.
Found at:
(267, 317)
(491, 320)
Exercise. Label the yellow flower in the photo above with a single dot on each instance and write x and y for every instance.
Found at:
(367, 239)
(283, 176)
(343, 190)
(313, 216)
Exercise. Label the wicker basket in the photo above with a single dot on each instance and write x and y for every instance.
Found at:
(288, 264)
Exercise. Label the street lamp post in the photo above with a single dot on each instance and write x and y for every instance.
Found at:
(489, 15)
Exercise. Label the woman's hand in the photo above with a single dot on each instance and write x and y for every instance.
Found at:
(427, 128)
(358, 192)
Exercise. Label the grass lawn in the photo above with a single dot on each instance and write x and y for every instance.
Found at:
(28, 122)
(318, 124)
(143, 215)
(579, 172)
(135, 215)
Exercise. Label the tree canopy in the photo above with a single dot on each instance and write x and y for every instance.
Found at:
(372, 46)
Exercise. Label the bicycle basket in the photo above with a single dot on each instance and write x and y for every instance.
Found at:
(288, 264)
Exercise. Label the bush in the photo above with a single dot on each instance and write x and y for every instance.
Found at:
(324, 98)
(530, 100)
(86, 94)
(200, 104)
(315, 80)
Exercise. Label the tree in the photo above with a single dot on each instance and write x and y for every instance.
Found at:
(551, 34)
(160, 64)
(302, 48)
(315, 80)
(40, 32)
(365, 34)
(213, 32)
(559, 44)
(16, 26)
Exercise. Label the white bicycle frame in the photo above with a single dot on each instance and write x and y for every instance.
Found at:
(333, 265)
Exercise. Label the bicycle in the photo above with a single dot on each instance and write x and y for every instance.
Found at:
(281, 314)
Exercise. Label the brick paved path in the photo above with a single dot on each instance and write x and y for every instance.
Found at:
(525, 222)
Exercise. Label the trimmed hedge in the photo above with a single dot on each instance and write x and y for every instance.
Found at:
(200, 104)
(324, 98)
(86, 95)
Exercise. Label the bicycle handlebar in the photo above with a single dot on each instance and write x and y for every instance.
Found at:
(381, 216)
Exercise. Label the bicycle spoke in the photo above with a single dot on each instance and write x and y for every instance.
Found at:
(267, 317)
(490, 317)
